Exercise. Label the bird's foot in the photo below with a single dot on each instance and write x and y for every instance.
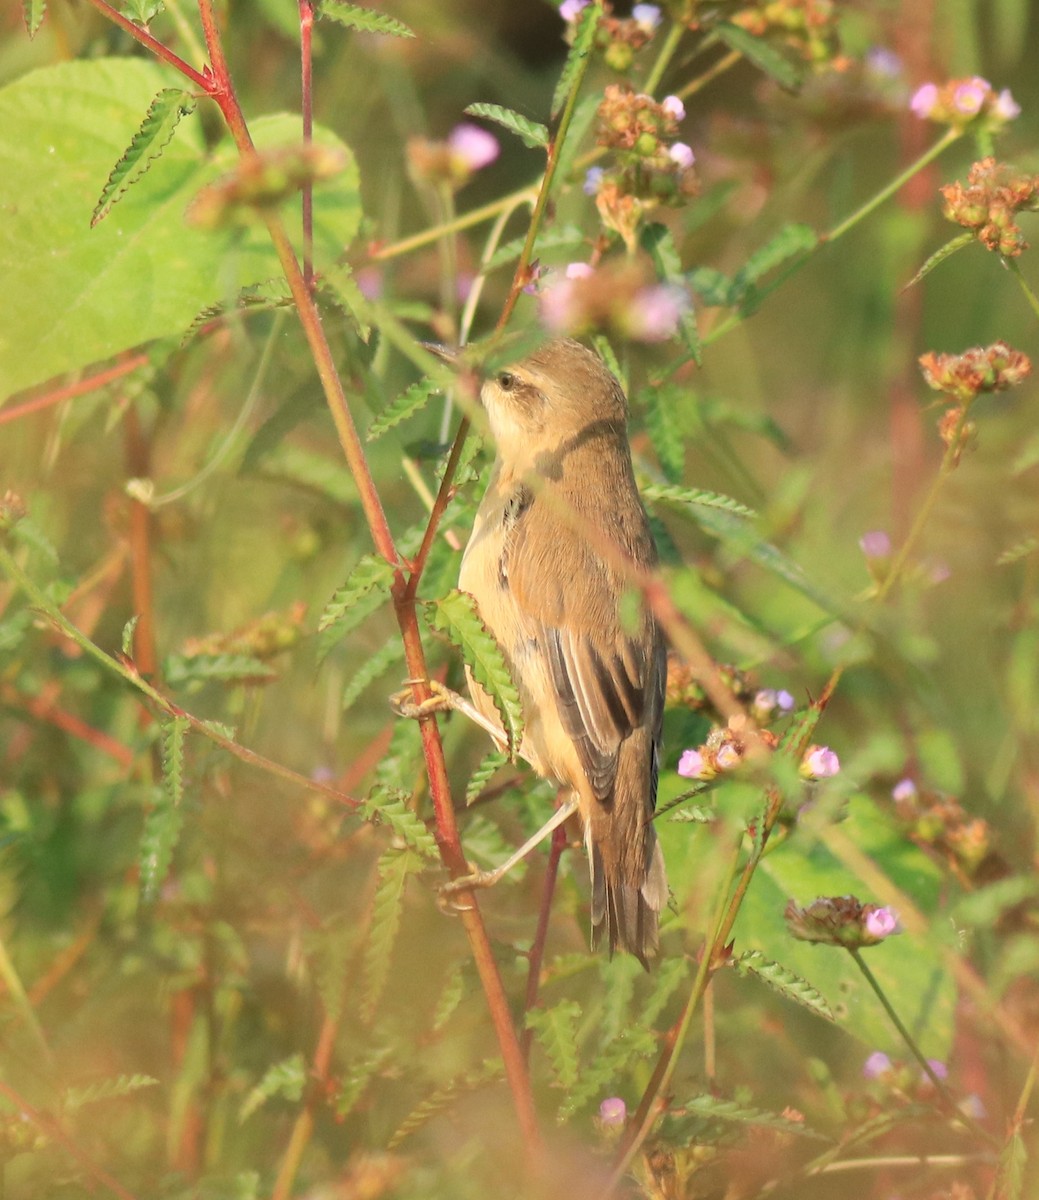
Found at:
(441, 700)
(475, 878)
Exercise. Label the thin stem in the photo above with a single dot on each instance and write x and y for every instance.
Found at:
(306, 73)
(476, 216)
(667, 52)
(885, 193)
(723, 64)
(72, 390)
(13, 983)
(537, 949)
(1030, 296)
(202, 80)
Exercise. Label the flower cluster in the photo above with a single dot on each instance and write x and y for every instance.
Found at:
(994, 193)
(684, 690)
(807, 27)
(940, 823)
(620, 297)
(841, 921)
(960, 102)
(453, 161)
(618, 39)
(724, 750)
(650, 165)
(963, 377)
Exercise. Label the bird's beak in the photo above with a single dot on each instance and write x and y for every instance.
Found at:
(445, 353)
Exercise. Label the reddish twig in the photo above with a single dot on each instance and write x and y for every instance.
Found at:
(306, 30)
(202, 80)
(90, 384)
(47, 711)
(537, 949)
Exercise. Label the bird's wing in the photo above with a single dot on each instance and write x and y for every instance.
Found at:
(607, 680)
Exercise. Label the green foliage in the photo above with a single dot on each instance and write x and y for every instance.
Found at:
(762, 53)
(105, 1089)
(366, 20)
(411, 401)
(785, 982)
(658, 242)
(587, 24)
(556, 1030)
(285, 1079)
(165, 819)
(387, 910)
(530, 133)
(714, 1108)
(365, 589)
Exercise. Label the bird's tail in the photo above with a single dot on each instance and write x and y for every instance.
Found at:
(629, 883)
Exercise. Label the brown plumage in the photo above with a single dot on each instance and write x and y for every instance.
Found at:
(591, 679)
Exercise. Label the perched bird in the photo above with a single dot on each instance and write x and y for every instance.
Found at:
(546, 565)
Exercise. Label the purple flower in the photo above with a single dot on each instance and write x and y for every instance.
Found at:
(656, 311)
(369, 280)
(905, 789)
(728, 757)
(593, 180)
(570, 10)
(876, 1065)
(579, 270)
(681, 155)
(474, 146)
(784, 701)
(673, 107)
(1006, 107)
(646, 17)
(875, 544)
(881, 923)
(884, 62)
(690, 765)
(924, 99)
(613, 1111)
(970, 95)
(820, 763)
(938, 1067)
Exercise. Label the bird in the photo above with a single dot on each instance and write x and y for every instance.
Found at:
(559, 536)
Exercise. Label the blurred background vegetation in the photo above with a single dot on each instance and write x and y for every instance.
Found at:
(282, 1008)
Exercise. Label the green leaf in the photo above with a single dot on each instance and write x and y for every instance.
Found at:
(407, 404)
(353, 16)
(488, 767)
(370, 670)
(365, 589)
(665, 431)
(340, 284)
(584, 36)
(713, 1108)
(940, 255)
(33, 12)
(287, 1079)
(711, 286)
(785, 982)
(660, 245)
(107, 1089)
(762, 54)
(530, 133)
(392, 809)
(126, 642)
(556, 1030)
(354, 1080)
(74, 295)
(156, 132)
(791, 246)
(1020, 550)
(697, 498)
(443, 1097)
(552, 239)
(164, 822)
(193, 672)
(456, 615)
(394, 868)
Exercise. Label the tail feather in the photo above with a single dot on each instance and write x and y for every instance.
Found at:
(627, 914)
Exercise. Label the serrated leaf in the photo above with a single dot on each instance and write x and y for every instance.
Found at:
(286, 1079)
(605, 351)
(33, 12)
(456, 615)
(442, 1097)
(793, 242)
(163, 823)
(393, 870)
(530, 133)
(665, 432)
(488, 766)
(341, 285)
(365, 589)
(783, 981)
(449, 999)
(157, 129)
(696, 498)
(220, 729)
(1015, 553)
(376, 665)
(584, 36)
(268, 294)
(657, 241)
(191, 672)
(366, 20)
(762, 54)
(142, 11)
(552, 239)
(126, 642)
(407, 404)
(713, 288)
(106, 1089)
(611, 1062)
(392, 809)
(695, 814)
(713, 1108)
(28, 533)
(556, 1030)
(355, 1079)
(940, 255)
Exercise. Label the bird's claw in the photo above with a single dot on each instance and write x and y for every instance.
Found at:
(442, 699)
(447, 892)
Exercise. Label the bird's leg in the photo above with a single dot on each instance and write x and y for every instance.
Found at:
(486, 879)
(444, 699)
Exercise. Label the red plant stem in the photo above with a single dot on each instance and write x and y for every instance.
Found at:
(92, 383)
(47, 1125)
(201, 80)
(306, 30)
(304, 1125)
(537, 950)
(48, 712)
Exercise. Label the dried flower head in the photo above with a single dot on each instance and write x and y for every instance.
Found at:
(981, 369)
(467, 149)
(841, 921)
(807, 27)
(987, 204)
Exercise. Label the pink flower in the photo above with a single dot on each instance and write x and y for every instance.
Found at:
(881, 923)
(728, 758)
(970, 95)
(473, 146)
(656, 311)
(904, 790)
(924, 99)
(613, 1111)
(875, 544)
(1006, 107)
(876, 1065)
(681, 155)
(570, 10)
(560, 309)
(690, 765)
(820, 762)
(673, 107)
(579, 270)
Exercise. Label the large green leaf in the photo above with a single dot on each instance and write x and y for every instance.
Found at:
(74, 295)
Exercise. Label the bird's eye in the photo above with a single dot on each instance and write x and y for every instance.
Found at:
(506, 381)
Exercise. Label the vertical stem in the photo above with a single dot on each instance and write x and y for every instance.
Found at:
(306, 30)
(537, 950)
(138, 462)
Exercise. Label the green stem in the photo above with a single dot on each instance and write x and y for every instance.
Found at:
(667, 52)
(13, 983)
(1030, 296)
(885, 193)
